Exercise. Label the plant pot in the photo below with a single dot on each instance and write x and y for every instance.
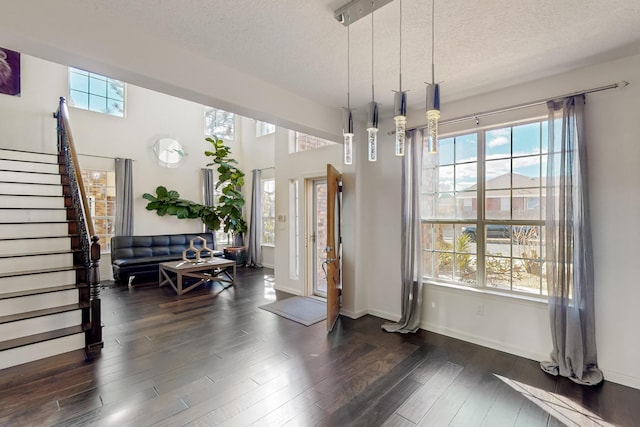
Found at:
(237, 253)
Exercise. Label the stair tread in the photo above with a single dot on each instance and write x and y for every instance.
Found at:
(31, 183)
(44, 336)
(26, 254)
(35, 208)
(42, 222)
(65, 236)
(23, 171)
(32, 195)
(41, 271)
(43, 312)
(40, 291)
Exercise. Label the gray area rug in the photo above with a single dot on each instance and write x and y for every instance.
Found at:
(303, 310)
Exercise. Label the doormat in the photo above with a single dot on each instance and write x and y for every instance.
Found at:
(303, 310)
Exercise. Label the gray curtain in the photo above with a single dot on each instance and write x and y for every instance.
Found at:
(124, 197)
(209, 187)
(411, 253)
(568, 246)
(254, 249)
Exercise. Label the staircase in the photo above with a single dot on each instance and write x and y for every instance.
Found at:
(47, 306)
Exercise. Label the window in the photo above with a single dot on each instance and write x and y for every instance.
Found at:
(482, 207)
(94, 92)
(264, 128)
(268, 212)
(304, 142)
(100, 187)
(219, 123)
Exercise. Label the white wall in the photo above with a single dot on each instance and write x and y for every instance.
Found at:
(26, 123)
(131, 55)
(258, 153)
(515, 325)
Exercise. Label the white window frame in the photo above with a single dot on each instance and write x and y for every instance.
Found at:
(453, 226)
(86, 97)
(264, 128)
(219, 123)
(311, 142)
(105, 237)
(268, 219)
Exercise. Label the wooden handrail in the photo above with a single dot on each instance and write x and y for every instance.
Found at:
(64, 120)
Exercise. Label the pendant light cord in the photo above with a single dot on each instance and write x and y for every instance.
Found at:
(433, 41)
(373, 98)
(400, 77)
(348, 62)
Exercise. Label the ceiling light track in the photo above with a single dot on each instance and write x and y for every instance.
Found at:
(357, 9)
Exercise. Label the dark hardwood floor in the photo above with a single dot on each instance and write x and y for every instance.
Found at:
(213, 357)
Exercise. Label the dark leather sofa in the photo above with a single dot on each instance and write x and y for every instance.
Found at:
(141, 255)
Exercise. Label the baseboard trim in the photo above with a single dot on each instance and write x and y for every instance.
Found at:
(475, 339)
(383, 314)
(288, 290)
(353, 314)
(620, 378)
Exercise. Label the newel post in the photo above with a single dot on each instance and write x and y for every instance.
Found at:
(95, 343)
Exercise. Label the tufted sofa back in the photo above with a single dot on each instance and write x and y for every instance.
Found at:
(131, 247)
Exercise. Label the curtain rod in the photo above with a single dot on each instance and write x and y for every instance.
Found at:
(264, 169)
(620, 84)
(103, 157)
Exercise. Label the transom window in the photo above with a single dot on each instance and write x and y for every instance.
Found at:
(483, 209)
(93, 92)
(264, 128)
(304, 142)
(268, 212)
(219, 123)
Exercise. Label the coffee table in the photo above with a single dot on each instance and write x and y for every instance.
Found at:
(215, 269)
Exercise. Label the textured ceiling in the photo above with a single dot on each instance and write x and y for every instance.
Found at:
(479, 46)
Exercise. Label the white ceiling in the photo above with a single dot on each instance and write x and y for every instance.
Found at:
(479, 45)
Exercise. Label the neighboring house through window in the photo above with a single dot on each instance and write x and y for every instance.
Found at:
(483, 210)
(268, 212)
(305, 142)
(100, 186)
(93, 92)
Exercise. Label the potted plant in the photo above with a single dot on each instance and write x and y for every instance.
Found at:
(226, 213)
(231, 201)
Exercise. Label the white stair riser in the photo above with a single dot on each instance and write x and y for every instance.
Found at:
(27, 166)
(29, 353)
(39, 178)
(40, 262)
(31, 189)
(11, 306)
(34, 246)
(17, 231)
(32, 215)
(28, 157)
(37, 302)
(17, 201)
(37, 325)
(36, 281)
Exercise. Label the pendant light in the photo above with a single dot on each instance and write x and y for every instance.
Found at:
(433, 96)
(400, 104)
(347, 129)
(372, 109)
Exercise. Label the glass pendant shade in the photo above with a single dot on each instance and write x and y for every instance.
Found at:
(372, 131)
(400, 117)
(348, 148)
(347, 133)
(433, 116)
